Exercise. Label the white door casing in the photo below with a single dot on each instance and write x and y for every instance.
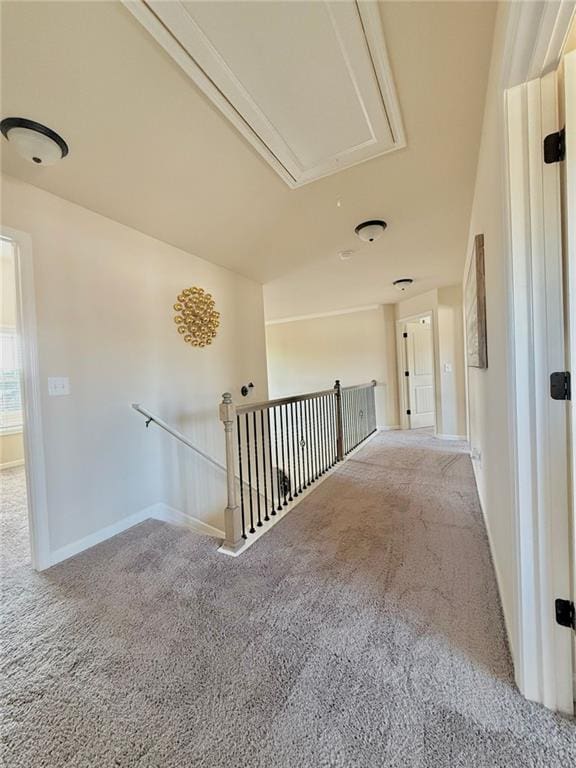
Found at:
(33, 432)
(544, 664)
(420, 368)
(569, 183)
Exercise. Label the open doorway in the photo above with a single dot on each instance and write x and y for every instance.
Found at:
(417, 372)
(13, 495)
(24, 513)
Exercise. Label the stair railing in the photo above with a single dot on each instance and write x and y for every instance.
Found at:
(280, 448)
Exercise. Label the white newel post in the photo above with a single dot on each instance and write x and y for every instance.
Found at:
(232, 519)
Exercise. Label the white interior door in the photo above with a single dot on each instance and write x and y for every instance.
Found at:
(569, 229)
(420, 359)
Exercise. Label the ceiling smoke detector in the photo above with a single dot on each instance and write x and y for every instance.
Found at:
(33, 141)
(370, 230)
(402, 283)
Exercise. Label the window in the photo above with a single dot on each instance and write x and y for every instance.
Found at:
(11, 418)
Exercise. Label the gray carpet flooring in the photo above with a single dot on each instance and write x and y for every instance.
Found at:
(363, 631)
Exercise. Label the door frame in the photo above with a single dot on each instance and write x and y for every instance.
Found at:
(402, 362)
(535, 34)
(34, 460)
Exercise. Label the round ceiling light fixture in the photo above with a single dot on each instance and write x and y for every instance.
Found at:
(33, 141)
(402, 283)
(370, 230)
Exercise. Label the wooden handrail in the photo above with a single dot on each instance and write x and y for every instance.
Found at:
(249, 407)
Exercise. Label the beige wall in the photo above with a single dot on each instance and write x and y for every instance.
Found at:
(489, 404)
(445, 304)
(104, 295)
(11, 450)
(310, 354)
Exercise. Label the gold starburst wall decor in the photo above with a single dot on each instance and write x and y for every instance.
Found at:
(197, 319)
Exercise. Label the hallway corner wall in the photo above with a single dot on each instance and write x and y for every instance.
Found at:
(310, 353)
(104, 296)
(488, 389)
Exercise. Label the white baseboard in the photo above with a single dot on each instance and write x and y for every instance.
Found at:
(450, 437)
(158, 511)
(63, 553)
(496, 568)
(11, 464)
(389, 429)
(168, 514)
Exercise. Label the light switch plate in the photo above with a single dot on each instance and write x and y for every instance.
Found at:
(447, 367)
(58, 386)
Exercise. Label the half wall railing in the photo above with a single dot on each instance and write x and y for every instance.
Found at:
(279, 448)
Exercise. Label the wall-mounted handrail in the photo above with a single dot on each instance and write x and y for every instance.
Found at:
(175, 433)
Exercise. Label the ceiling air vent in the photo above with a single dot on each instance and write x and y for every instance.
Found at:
(308, 84)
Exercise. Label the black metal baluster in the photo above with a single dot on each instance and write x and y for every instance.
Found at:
(345, 409)
(346, 420)
(318, 438)
(283, 458)
(288, 452)
(332, 406)
(294, 454)
(262, 432)
(309, 443)
(241, 477)
(329, 422)
(319, 433)
(302, 446)
(322, 434)
(297, 449)
(355, 417)
(272, 505)
(326, 432)
(327, 428)
(315, 438)
(367, 396)
(277, 467)
(252, 529)
(256, 464)
(334, 429)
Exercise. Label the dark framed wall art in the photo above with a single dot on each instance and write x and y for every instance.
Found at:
(475, 304)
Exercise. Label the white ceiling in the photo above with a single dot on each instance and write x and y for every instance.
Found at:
(148, 149)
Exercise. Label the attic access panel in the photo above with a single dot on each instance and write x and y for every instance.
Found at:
(308, 84)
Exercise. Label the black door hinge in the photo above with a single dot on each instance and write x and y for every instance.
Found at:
(405, 335)
(560, 388)
(555, 147)
(565, 615)
(408, 412)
